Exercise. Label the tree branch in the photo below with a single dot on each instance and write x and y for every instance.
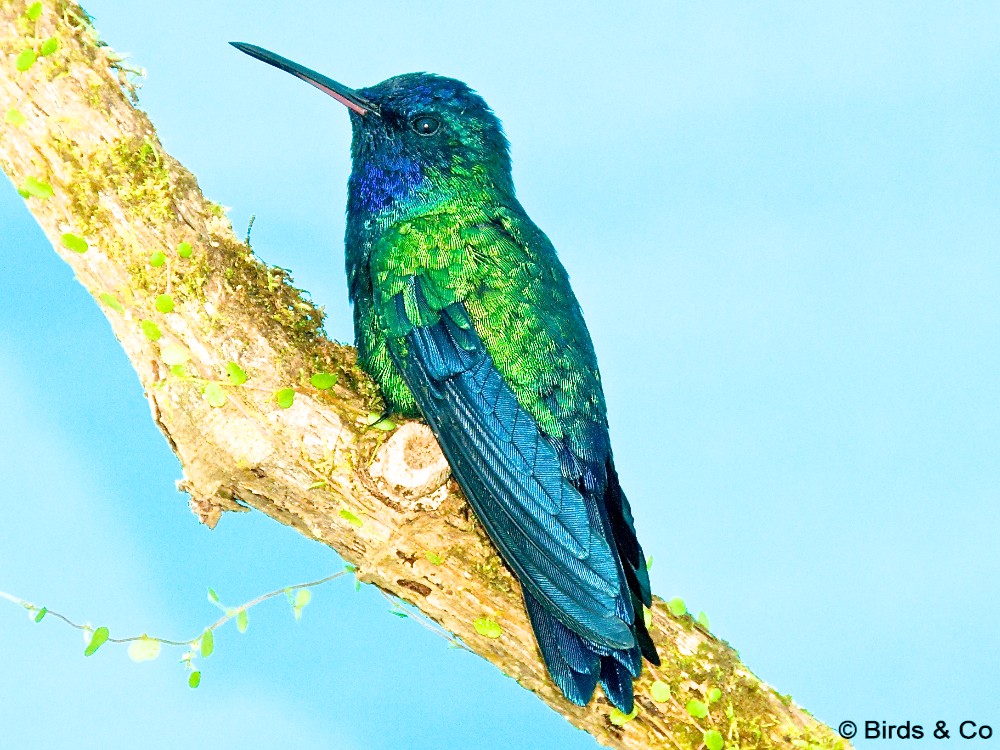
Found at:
(94, 172)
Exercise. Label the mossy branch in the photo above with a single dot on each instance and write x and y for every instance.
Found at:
(240, 380)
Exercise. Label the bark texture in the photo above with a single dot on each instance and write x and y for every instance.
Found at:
(92, 169)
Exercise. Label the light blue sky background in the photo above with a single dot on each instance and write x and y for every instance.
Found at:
(783, 226)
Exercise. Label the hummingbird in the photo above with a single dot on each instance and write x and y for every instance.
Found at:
(464, 316)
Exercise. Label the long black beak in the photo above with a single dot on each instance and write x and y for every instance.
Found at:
(340, 92)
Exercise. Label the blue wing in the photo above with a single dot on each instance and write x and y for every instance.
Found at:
(545, 509)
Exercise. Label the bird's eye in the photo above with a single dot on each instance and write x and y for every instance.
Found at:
(425, 125)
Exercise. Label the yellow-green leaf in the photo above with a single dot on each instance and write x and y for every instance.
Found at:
(74, 243)
(144, 649)
(697, 709)
(98, 639)
(713, 740)
(111, 301)
(489, 628)
(157, 259)
(285, 397)
(236, 374)
(207, 643)
(15, 118)
(194, 680)
(49, 46)
(174, 354)
(323, 380)
(25, 60)
(350, 517)
(659, 691)
(434, 557)
(677, 606)
(620, 719)
(164, 303)
(214, 395)
(184, 250)
(33, 12)
(150, 330)
(37, 188)
(242, 621)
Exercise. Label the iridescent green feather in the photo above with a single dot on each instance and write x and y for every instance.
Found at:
(503, 268)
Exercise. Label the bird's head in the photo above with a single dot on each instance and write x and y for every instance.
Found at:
(418, 137)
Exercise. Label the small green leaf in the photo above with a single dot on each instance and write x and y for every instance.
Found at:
(98, 639)
(317, 484)
(323, 380)
(144, 649)
(33, 12)
(703, 620)
(207, 643)
(174, 354)
(697, 709)
(377, 421)
(236, 374)
(350, 568)
(350, 517)
(647, 617)
(212, 596)
(677, 606)
(111, 301)
(164, 303)
(194, 680)
(157, 259)
(713, 740)
(40, 614)
(487, 627)
(214, 395)
(23, 193)
(37, 188)
(150, 330)
(178, 370)
(25, 60)
(184, 250)
(660, 691)
(285, 397)
(620, 719)
(242, 621)
(649, 563)
(15, 118)
(302, 598)
(49, 46)
(74, 243)
(434, 557)
(714, 694)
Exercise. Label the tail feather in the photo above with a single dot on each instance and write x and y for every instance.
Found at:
(616, 679)
(577, 664)
(571, 665)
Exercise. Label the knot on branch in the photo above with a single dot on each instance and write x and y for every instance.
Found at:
(410, 470)
(209, 505)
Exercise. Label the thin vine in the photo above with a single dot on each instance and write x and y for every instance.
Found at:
(146, 647)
